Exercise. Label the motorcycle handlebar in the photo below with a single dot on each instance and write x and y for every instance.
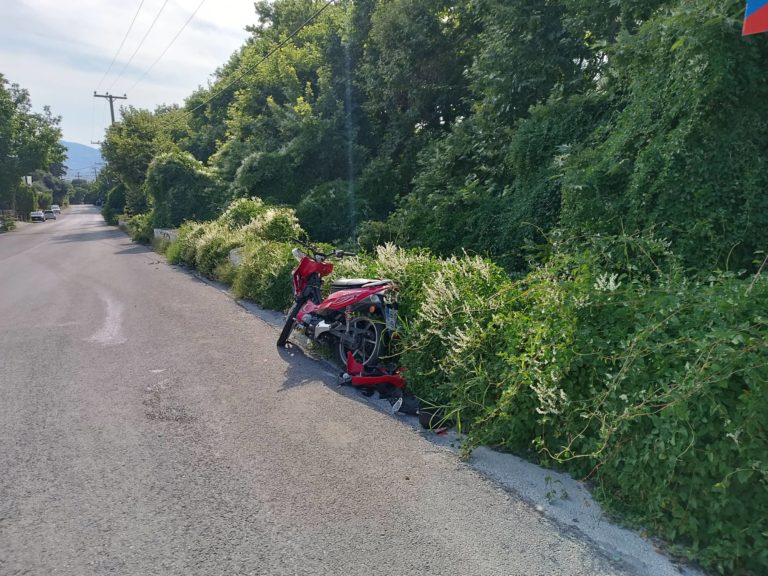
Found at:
(336, 253)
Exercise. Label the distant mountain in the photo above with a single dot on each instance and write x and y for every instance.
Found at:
(82, 161)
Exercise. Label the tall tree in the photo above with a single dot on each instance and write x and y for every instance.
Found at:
(131, 144)
(28, 140)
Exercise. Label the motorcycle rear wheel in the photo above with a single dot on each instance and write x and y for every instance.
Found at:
(289, 322)
(363, 341)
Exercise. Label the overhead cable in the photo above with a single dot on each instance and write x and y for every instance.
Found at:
(121, 45)
(151, 26)
(148, 70)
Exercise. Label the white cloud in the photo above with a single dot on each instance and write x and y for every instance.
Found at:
(60, 52)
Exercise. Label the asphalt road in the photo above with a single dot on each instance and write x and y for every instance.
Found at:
(149, 425)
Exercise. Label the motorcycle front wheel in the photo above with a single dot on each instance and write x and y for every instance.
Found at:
(362, 340)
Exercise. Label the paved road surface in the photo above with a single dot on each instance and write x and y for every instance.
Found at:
(149, 425)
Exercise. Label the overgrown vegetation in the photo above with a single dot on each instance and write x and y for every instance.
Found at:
(605, 360)
(259, 233)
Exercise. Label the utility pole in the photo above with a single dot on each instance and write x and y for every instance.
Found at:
(111, 99)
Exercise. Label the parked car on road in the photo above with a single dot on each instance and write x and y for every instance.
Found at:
(49, 215)
(37, 216)
(56, 209)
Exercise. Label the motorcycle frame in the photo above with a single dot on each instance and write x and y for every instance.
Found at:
(307, 285)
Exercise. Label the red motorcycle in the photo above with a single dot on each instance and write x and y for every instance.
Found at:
(356, 316)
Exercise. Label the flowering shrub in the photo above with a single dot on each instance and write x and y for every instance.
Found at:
(241, 211)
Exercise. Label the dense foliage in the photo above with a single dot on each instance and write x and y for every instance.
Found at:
(475, 134)
(607, 361)
(29, 141)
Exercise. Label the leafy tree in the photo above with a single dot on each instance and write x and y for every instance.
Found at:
(526, 52)
(286, 127)
(57, 188)
(28, 140)
(131, 145)
(181, 189)
(412, 78)
(80, 190)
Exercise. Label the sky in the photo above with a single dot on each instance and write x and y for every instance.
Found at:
(61, 52)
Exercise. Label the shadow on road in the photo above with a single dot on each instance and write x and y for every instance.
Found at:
(302, 370)
(91, 236)
(134, 249)
(299, 371)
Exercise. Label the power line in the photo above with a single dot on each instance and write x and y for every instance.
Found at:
(147, 71)
(146, 34)
(264, 59)
(121, 44)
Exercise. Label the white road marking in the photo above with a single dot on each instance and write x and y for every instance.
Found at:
(110, 333)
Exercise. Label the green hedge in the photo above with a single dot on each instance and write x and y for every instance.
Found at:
(261, 232)
(265, 274)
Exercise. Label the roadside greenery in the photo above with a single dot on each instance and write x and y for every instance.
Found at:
(29, 142)
(259, 234)
(7, 224)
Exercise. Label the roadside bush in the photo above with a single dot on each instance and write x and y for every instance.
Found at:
(114, 204)
(183, 250)
(277, 224)
(371, 233)
(26, 200)
(181, 189)
(410, 269)
(226, 273)
(212, 247)
(604, 360)
(264, 276)
(241, 211)
(448, 342)
(140, 228)
(7, 224)
(623, 372)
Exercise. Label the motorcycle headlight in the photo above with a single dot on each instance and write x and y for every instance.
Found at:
(298, 254)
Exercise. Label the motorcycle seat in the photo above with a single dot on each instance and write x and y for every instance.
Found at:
(350, 283)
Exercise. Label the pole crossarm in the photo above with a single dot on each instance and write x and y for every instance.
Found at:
(111, 99)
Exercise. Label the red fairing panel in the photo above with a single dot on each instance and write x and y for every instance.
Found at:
(343, 298)
(305, 269)
(308, 308)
